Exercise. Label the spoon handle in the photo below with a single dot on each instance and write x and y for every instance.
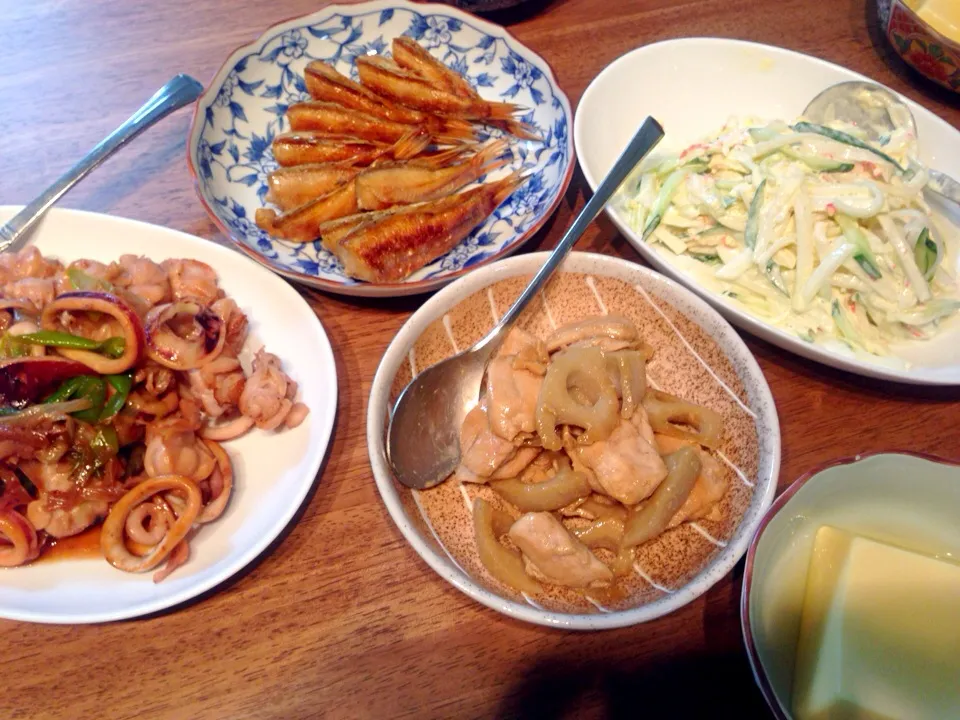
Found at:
(181, 90)
(944, 185)
(649, 134)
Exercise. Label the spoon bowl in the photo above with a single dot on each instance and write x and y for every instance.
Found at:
(878, 112)
(423, 446)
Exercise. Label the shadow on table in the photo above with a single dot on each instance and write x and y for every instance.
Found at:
(692, 686)
(715, 681)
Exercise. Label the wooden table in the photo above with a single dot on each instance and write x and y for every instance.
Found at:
(341, 618)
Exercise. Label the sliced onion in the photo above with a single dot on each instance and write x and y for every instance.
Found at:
(27, 380)
(169, 349)
(108, 304)
(53, 411)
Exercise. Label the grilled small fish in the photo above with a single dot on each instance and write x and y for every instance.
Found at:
(387, 246)
(297, 148)
(290, 187)
(413, 57)
(326, 84)
(407, 88)
(300, 224)
(410, 55)
(403, 183)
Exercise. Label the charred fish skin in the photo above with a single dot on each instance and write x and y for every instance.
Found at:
(290, 187)
(406, 183)
(396, 245)
(337, 120)
(407, 88)
(326, 84)
(301, 224)
(298, 148)
(410, 55)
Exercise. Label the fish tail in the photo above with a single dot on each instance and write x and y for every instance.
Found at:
(411, 144)
(501, 110)
(522, 130)
(502, 189)
(491, 155)
(451, 131)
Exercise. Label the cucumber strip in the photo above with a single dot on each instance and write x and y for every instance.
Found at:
(864, 255)
(772, 272)
(667, 190)
(927, 254)
(846, 139)
(816, 163)
(753, 217)
(847, 333)
(762, 134)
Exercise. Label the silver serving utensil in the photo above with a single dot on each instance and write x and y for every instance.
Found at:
(877, 111)
(181, 90)
(423, 445)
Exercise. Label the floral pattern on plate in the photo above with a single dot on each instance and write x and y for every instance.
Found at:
(923, 48)
(244, 108)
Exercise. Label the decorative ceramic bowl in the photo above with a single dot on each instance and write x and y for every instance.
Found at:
(904, 499)
(243, 109)
(920, 45)
(697, 356)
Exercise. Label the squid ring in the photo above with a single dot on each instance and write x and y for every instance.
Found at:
(111, 536)
(586, 369)
(18, 531)
(214, 509)
(207, 335)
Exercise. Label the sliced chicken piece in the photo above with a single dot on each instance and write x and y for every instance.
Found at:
(485, 454)
(625, 466)
(555, 553)
(516, 341)
(511, 398)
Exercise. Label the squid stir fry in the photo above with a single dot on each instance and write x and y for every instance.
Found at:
(118, 384)
(587, 462)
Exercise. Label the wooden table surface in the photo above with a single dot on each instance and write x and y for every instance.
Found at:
(341, 618)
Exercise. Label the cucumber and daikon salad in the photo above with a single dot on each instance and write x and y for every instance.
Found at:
(810, 227)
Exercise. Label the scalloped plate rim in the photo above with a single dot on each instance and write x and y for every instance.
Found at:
(362, 289)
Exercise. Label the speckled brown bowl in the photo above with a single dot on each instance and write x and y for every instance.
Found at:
(697, 356)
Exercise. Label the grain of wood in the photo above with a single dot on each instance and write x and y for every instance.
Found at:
(341, 618)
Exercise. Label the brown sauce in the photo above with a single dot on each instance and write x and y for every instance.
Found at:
(75, 547)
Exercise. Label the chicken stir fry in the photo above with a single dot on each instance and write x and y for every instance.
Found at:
(118, 382)
(586, 462)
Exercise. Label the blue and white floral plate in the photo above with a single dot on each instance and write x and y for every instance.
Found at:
(243, 109)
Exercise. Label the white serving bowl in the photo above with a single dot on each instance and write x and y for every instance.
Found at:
(692, 86)
(704, 328)
(904, 499)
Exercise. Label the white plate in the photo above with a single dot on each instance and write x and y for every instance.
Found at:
(692, 86)
(274, 472)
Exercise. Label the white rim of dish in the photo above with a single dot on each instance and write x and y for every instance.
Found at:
(364, 289)
(751, 324)
(396, 355)
(282, 521)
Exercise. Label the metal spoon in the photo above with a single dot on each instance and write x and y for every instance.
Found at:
(181, 90)
(876, 111)
(423, 445)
